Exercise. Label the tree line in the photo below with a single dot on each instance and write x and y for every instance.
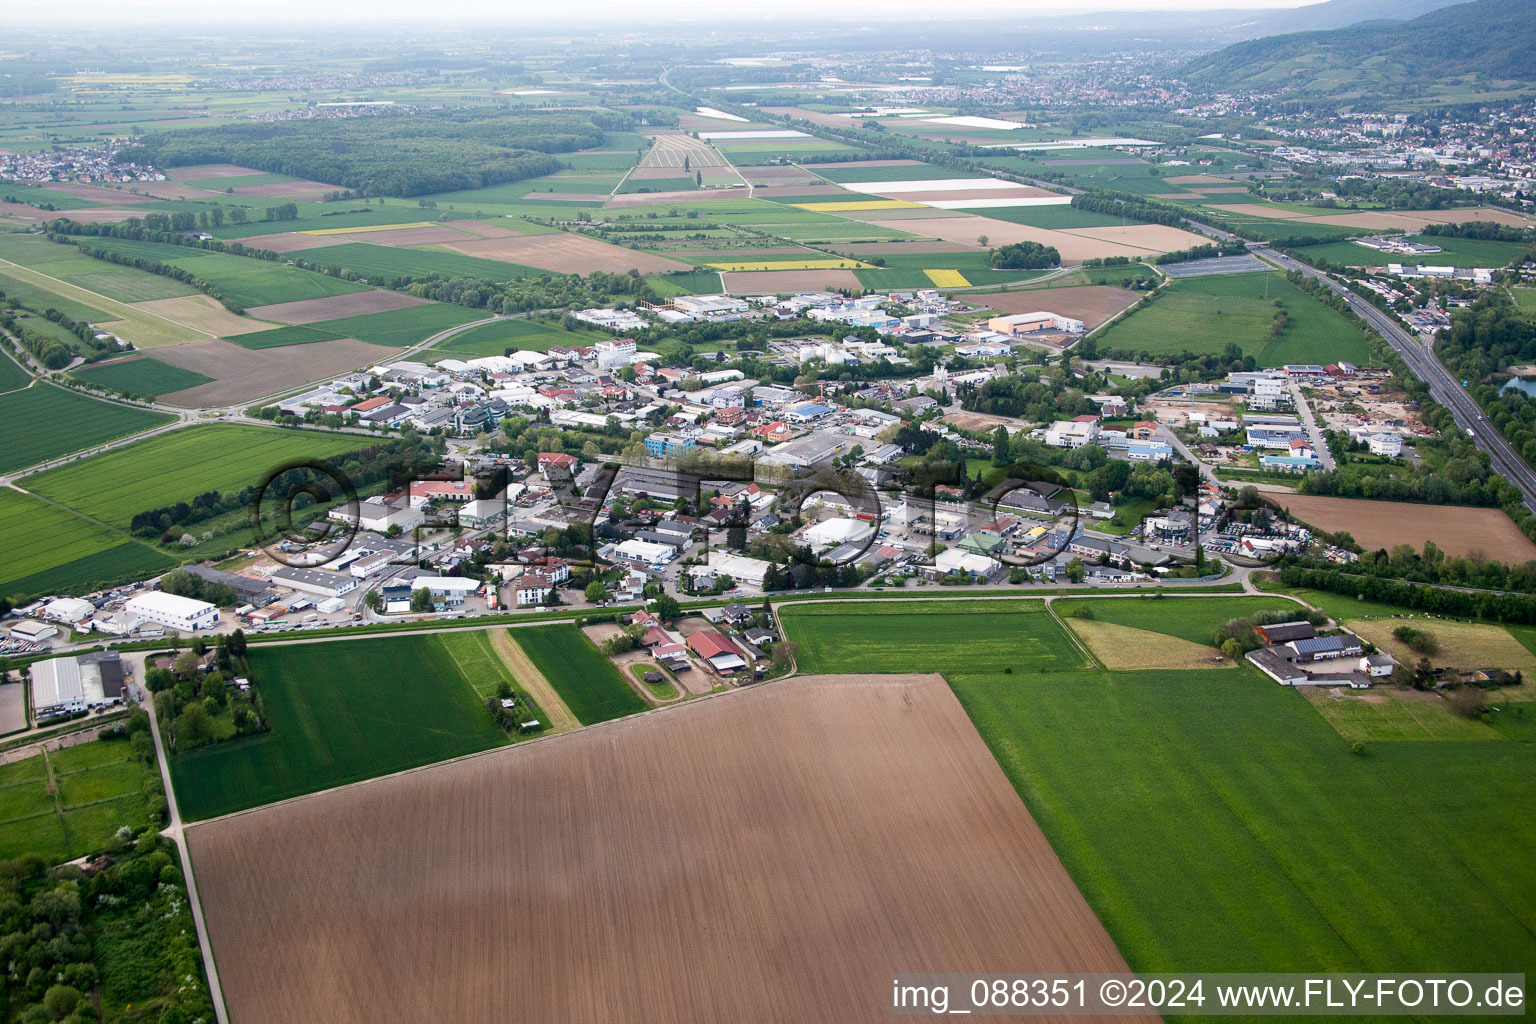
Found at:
(1514, 608)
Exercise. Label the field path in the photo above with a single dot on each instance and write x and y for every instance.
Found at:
(532, 680)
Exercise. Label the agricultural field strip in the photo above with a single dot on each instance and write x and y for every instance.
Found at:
(126, 310)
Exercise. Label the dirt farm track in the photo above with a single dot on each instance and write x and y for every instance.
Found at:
(771, 854)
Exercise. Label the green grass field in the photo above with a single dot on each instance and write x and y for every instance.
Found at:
(145, 376)
(1195, 619)
(178, 466)
(398, 327)
(100, 787)
(1458, 252)
(45, 421)
(281, 337)
(53, 550)
(66, 263)
(698, 283)
(1215, 822)
(523, 335)
(40, 299)
(340, 711)
(242, 280)
(929, 636)
(12, 375)
(681, 183)
(382, 261)
(1206, 314)
(586, 681)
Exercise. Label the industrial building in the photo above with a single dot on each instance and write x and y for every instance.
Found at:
(63, 686)
(172, 612)
(316, 581)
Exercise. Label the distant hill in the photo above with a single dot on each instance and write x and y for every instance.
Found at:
(1485, 46)
(1337, 14)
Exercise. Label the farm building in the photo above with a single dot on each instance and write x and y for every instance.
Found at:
(1306, 659)
(172, 611)
(718, 651)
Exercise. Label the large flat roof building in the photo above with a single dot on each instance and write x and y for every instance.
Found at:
(173, 612)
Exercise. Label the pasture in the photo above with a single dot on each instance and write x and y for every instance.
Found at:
(180, 465)
(1205, 314)
(52, 549)
(1394, 715)
(1215, 821)
(650, 829)
(929, 636)
(1122, 648)
(145, 376)
(45, 421)
(341, 711)
(1194, 619)
(1462, 645)
(68, 803)
(584, 678)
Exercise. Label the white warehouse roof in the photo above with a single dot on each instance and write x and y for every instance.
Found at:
(69, 609)
(159, 602)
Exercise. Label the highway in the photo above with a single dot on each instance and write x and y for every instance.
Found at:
(1445, 389)
(1425, 365)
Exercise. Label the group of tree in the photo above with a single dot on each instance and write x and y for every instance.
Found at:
(1434, 566)
(1131, 207)
(123, 936)
(1203, 252)
(1025, 256)
(406, 153)
(190, 694)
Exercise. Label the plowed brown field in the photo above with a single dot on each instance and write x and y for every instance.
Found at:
(1455, 529)
(771, 854)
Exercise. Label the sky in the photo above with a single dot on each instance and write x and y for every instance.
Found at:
(277, 13)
